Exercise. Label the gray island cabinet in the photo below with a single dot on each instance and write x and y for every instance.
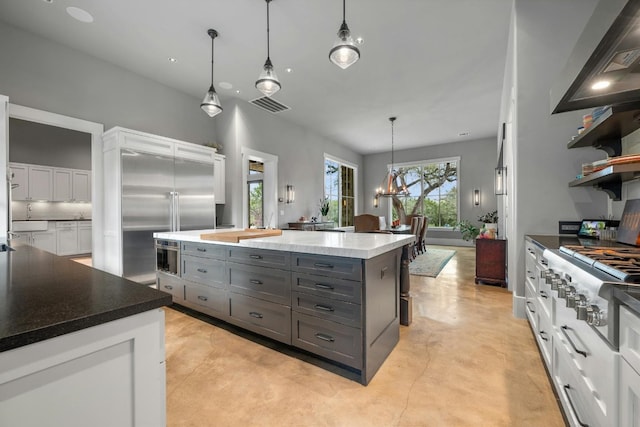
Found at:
(339, 302)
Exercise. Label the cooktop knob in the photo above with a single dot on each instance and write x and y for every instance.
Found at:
(570, 295)
(596, 316)
(562, 290)
(545, 273)
(557, 283)
(581, 307)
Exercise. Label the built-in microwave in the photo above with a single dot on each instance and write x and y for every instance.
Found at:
(168, 256)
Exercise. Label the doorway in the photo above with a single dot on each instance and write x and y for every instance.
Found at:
(260, 197)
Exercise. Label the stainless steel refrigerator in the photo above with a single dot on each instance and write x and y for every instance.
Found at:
(160, 194)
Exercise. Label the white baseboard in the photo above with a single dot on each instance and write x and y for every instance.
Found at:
(519, 309)
(447, 242)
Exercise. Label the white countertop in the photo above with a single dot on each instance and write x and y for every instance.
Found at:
(350, 245)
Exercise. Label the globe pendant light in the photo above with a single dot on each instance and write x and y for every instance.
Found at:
(268, 82)
(211, 102)
(344, 52)
(390, 188)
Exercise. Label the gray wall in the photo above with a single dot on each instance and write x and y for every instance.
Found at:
(38, 73)
(41, 144)
(300, 158)
(476, 170)
(546, 32)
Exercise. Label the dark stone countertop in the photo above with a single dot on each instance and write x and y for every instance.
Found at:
(555, 241)
(43, 296)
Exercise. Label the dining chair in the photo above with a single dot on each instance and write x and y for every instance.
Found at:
(422, 243)
(366, 222)
(416, 225)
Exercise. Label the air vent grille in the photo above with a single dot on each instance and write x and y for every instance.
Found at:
(269, 104)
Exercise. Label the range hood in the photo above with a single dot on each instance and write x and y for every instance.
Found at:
(606, 55)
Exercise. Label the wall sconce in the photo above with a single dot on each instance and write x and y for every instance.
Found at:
(500, 180)
(290, 194)
(376, 201)
(476, 197)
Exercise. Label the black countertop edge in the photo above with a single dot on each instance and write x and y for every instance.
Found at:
(56, 330)
(555, 241)
(630, 299)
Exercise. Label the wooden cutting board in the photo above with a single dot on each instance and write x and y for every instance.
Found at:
(236, 236)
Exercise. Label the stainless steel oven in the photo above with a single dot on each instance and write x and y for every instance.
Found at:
(168, 257)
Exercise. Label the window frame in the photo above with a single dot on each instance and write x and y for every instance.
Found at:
(456, 159)
(356, 190)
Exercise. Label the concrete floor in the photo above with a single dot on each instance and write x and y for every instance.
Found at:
(464, 361)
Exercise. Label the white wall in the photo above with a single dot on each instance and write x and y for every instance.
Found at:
(542, 166)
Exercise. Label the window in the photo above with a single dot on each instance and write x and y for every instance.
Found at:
(340, 188)
(433, 192)
(255, 194)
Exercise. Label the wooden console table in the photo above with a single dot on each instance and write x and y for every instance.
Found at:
(491, 265)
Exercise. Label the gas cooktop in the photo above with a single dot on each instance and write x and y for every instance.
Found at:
(622, 262)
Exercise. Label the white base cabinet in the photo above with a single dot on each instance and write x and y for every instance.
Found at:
(107, 375)
(45, 240)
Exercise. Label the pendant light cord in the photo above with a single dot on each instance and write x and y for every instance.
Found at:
(212, 37)
(344, 11)
(268, 53)
(392, 119)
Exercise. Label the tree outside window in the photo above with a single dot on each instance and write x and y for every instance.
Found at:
(340, 190)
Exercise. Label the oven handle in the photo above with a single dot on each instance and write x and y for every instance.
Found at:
(564, 329)
(566, 389)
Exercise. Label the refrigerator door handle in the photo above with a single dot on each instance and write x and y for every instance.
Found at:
(171, 215)
(177, 210)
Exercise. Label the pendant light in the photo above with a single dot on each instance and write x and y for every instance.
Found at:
(344, 52)
(268, 82)
(211, 102)
(390, 189)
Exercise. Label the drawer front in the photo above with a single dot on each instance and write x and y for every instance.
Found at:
(203, 250)
(544, 336)
(328, 339)
(266, 318)
(325, 308)
(266, 283)
(171, 285)
(571, 393)
(630, 337)
(276, 259)
(531, 305)
(330, 287)
(343, 268)
(211, 272)
(213, 299)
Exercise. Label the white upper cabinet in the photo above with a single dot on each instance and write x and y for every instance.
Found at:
(81, 186)
(31, 182)
(62, 186)
(19, 181)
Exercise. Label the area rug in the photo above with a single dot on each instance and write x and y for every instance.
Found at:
(431, 262)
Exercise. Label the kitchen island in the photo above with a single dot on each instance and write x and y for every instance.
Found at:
(78, 346)
(335, 295)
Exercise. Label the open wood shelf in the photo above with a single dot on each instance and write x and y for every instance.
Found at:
(610, 179)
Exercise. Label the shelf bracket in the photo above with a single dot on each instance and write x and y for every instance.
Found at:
(613, 147)
(613, 189)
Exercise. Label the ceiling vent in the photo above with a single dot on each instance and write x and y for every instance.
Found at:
(269, 104)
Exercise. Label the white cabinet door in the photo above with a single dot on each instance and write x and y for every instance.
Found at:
(22, 237)
(67, 238)
(40, 183)
(19, 181)
(84, 238)
(629, 396)
(45, 240)
(219, 179)
(81, 186)
(62, 189)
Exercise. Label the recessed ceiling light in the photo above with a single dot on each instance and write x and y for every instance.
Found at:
(225, 85)
(359, 40)
(80, 14)
(465, 133)
(172, 60)
(238, 91)
(288, 70)
(602, 84)
(48, 1)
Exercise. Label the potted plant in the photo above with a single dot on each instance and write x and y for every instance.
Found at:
(324, 208)
(468, 230)
(490, 228)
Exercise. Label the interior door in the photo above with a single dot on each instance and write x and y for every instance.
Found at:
(194, 185)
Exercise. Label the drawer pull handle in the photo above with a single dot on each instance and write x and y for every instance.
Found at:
(323, 286)
(543, 294)
(323, 265)
(323, 307)
(255, 256)
(201, 298)
(255, 282)
(325, 337)
(168, 287)
(384, 270)
(530, 309)
(201, 249)
(564, 329)
(566, 389)
(202, 270)
(543, 335)
(255, 314)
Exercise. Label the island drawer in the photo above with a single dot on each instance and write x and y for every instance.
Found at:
(330, 287)
(325, 308)
(171, 285)
(266, 283)
(323, 265)
(211, 272)
(204, 250)
(276, 259)
(268, 319)
(204, 296)
(328, 339)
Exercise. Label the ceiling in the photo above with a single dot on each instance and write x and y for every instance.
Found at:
(437, 65)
